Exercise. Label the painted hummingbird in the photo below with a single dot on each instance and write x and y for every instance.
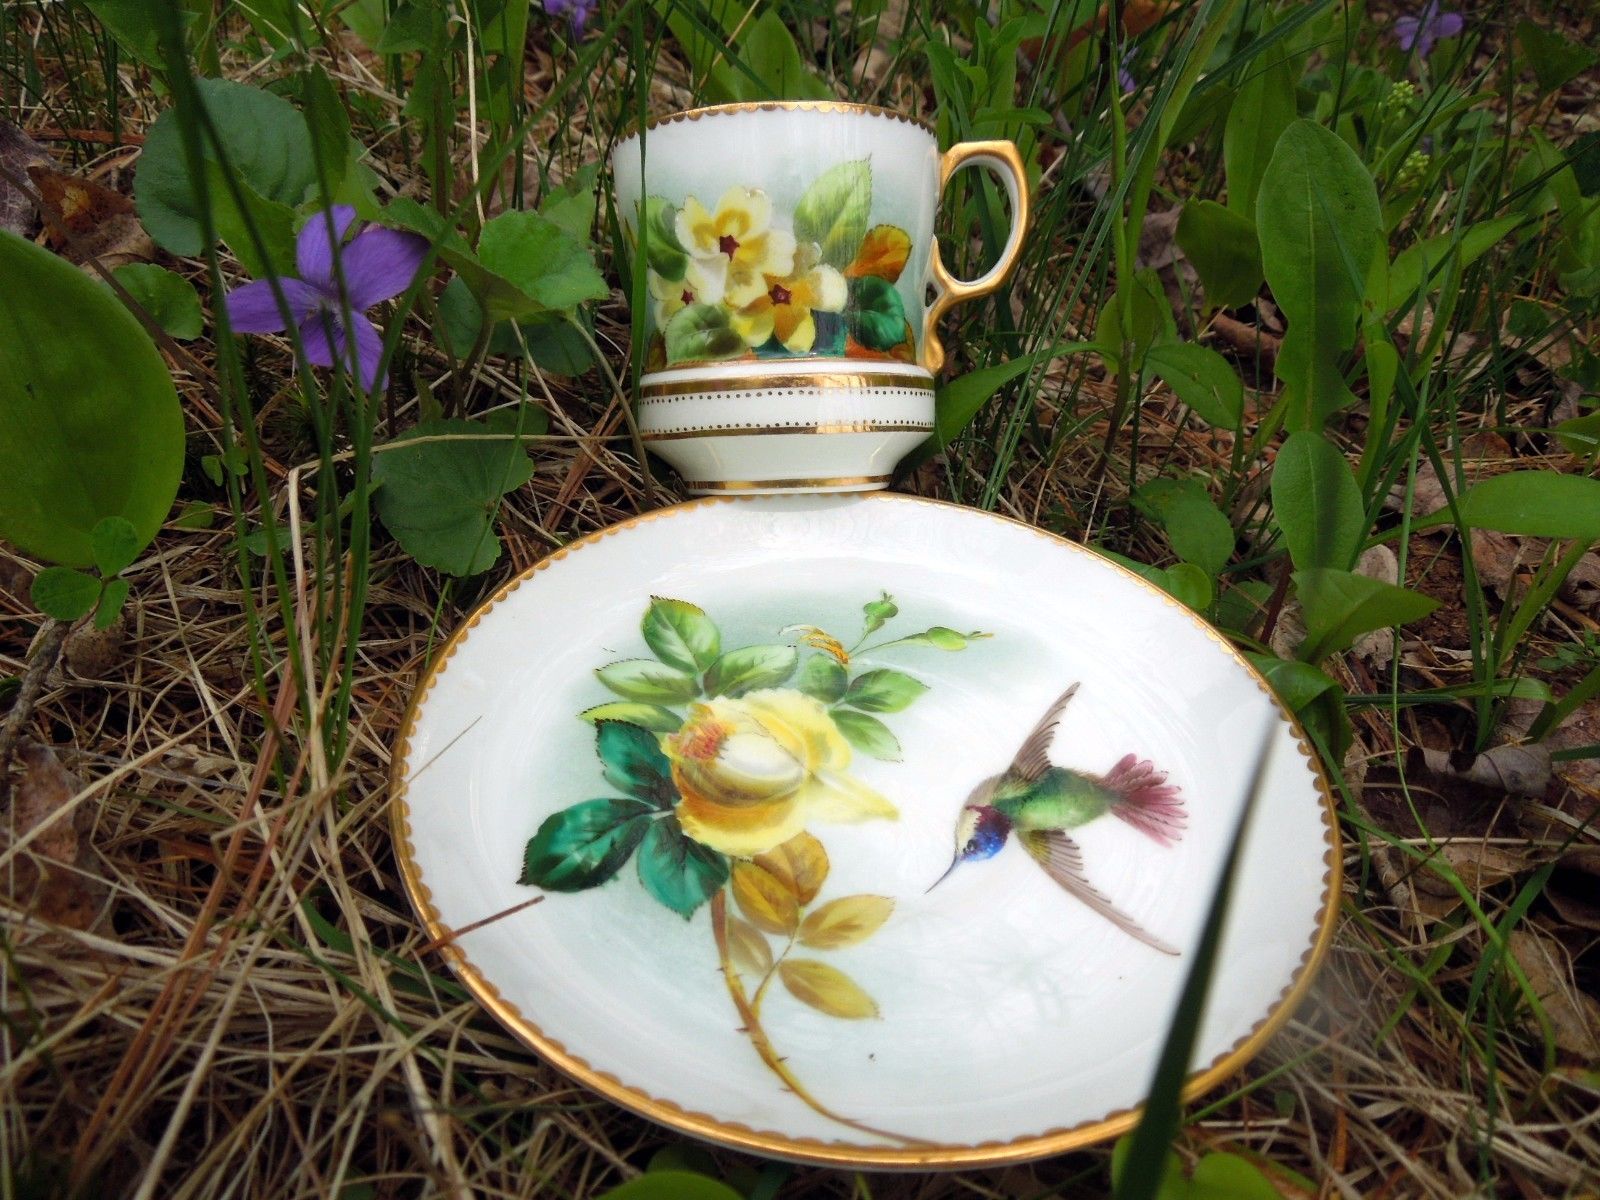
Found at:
(1041, 802)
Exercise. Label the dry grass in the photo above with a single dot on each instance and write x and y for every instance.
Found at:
(237, 1001)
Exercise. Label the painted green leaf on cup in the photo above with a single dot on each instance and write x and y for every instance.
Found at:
(678, 871)
(653, 717)
(822, 676)
(750, 668)
(662, 249)
(648, 680)
(701, 333)
(834, 210)
(92, 426)
(867, 734)
(681, 635)
(584, 845)
(876, 314)
(883, 691)
(876, 612)
(634, 762)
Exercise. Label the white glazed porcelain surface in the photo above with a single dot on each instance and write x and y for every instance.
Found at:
(1012, 1020)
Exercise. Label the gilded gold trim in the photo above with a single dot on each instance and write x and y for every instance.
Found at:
(799, 382)
(749, 106)
(815, 1150)
(751, 485)
(678, 435)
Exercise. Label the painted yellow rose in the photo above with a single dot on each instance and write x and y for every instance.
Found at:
(753, 771)
(786, 306)
(734, 248)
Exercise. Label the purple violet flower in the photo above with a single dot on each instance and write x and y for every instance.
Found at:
(1421, 32)
(378, 264)
(1125, 80)
(576, 11)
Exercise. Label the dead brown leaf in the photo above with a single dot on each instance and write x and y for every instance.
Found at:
(53, 880)
(1521, 770)
(18, 152)
(1581, 589)
(1377, 647)
(1499, 557)
(1477, 863)
(101, 222)
(1574, 887)
(1574, 1015)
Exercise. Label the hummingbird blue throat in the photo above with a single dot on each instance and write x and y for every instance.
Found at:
(1040, 802)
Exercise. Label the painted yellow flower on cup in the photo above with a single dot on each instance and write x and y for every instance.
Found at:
(735, 247)
(753, 771)
(786, 306)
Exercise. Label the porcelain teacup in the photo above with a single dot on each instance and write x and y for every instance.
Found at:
(793, 287)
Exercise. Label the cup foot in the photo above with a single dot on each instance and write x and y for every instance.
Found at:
(772, 487)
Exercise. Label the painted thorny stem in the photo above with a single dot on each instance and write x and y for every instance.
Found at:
(758, 1035)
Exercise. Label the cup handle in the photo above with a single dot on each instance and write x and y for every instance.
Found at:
(1002, 158)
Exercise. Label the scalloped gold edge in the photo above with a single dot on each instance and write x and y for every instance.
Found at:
(815, 1150)
(748, 106)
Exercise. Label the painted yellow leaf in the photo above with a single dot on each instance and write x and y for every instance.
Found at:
(845, 921)
(765, 899)
(826, 989)
(800, 864)
(748, 947)
(883, 253)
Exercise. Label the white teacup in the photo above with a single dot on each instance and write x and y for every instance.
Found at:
(788, 250)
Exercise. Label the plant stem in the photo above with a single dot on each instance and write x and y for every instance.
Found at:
(758, 1035)
(51, 638)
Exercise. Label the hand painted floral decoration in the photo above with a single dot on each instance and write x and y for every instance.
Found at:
(720, 761)
(378, 264)
(730, 281)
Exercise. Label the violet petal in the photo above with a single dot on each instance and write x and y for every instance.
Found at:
(1405, 32)
(320, 335)
(327, 345)
(380, 264)
(313, 251)
(1448, 25)
(253, 308)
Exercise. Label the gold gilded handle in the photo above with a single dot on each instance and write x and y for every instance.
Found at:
(1002, 158)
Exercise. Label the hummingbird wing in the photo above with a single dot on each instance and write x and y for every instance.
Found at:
(1033, 759)
(1062, 860)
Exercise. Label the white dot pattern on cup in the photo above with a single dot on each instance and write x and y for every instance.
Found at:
(756, 395)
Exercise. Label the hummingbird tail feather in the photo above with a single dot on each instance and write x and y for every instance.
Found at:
(1145, 800)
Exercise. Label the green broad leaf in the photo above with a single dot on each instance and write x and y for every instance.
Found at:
(1535, 503)
(867, 734)
(1321, 233)
(751, 668)
(572, 203)
(328, 123)
(1152, 321)
(1197, 529)
(1263, 107)
(112, 597)
(769, 50)
(681, 635)
(1556, 59)
(1187, 584)
(552, 340)
(834, 210)
(647, 680)
(876, 315)
(551, 270)
(169, 298)
(439, 498)
(1340, 606)
(64, 593)
(264, 243)
(1419, 265)
(1220, 1176)
(701, 333)
(877, 612)
(646, 716)
(1202, 379)
(677, 870)
(196, 514)
(1171, 1186)
(1317, 503)
(1580, 435)
(824, 677)
(1221, 244)
(957, 402)
(1313, 697)
(274, 21)
(115, 543)
(411, 27)
(92, 426)
(583, 846)
(136, 26)
(269, 152)
(883, 691)
(635, 763)
(663, 251)
(671, 1185)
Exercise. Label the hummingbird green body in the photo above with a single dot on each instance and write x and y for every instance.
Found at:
(1040, 802)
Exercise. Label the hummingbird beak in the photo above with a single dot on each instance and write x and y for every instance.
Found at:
(953, 864)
